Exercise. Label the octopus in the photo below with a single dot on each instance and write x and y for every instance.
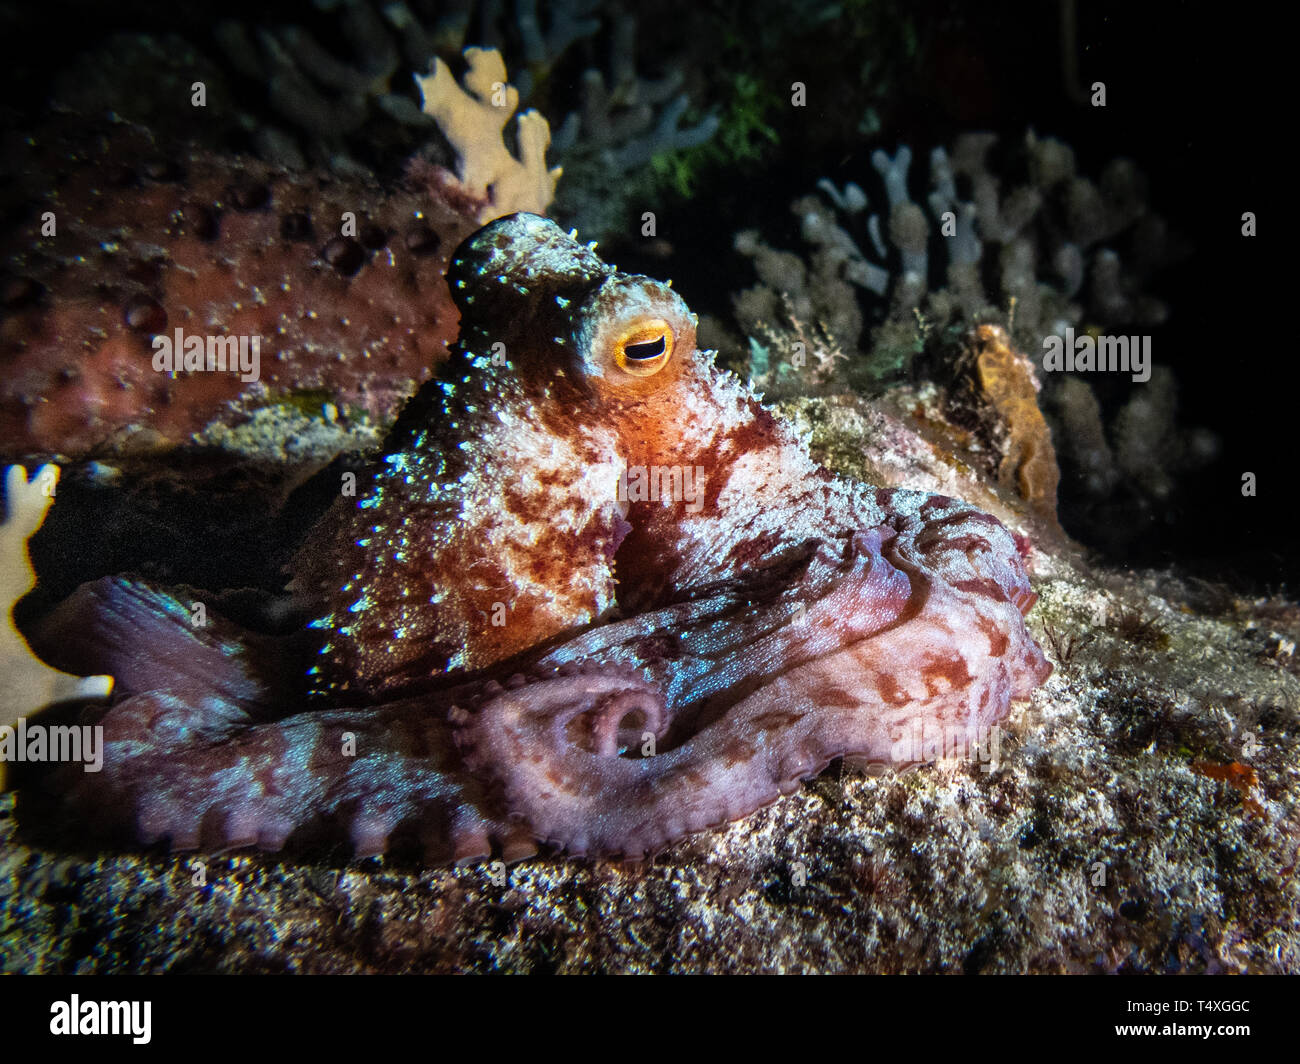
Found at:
(592, 596)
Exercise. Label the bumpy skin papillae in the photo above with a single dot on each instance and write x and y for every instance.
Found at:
(771, 617)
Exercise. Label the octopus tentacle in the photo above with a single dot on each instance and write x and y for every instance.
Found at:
(374, 774)
(856, 699)
(190, 758)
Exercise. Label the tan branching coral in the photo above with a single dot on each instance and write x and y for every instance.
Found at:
(29, 685)
(473, 118)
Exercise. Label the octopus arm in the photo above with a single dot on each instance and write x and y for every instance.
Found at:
(888, 661)
(198, 753)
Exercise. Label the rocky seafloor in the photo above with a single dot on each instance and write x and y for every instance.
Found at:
(1140, 816)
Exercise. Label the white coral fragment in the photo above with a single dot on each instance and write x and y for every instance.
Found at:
(27, 684)
(473, 118)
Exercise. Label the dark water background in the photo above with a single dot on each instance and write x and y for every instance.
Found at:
(1199, 94)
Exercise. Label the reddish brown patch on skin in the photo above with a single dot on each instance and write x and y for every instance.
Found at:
(936, 504)
(964, 516)
(987, 588)
(935, 540)
(998, 641)
(891, 691)
(541, 569)
(662, 646)
(737, 752)
(551, 478)
(829, 697)
(1024, 601)
(945, 674)
(718, 458)
(748, 551)
(528, 507)
(776, 720)
(885, 498)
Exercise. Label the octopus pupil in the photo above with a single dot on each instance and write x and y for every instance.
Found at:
(649, 349)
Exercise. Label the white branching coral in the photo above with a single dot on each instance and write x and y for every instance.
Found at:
(473, 118)
(29, 685)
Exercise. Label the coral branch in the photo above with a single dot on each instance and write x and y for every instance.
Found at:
(29, 684)
(473, 118)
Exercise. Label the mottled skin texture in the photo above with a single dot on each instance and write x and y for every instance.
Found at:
(674, 663)
(113, 239)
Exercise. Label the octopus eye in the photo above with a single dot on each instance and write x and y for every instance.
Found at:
(645, 348)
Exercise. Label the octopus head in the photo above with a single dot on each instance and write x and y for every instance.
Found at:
(561, 314)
